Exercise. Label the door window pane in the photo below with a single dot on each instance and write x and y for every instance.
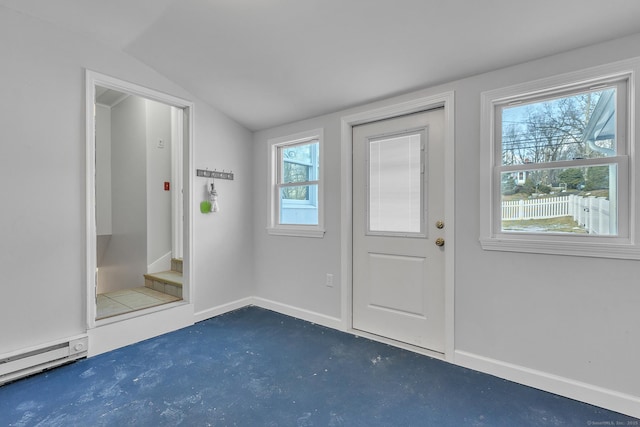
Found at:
(395, 184)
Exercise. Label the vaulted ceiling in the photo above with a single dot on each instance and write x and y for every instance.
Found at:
(269, 62)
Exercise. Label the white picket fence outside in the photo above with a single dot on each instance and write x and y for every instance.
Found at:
(593, 213)
(590, 212)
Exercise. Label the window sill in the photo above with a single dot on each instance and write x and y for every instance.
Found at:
(296, 232)
(290, 205)
(560, 247)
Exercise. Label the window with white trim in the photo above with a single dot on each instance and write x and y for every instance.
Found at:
(559, 168)
(296, 195)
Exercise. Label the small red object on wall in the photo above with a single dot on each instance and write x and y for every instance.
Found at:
(167, 187)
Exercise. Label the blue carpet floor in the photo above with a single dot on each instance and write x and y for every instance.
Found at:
(254, 367)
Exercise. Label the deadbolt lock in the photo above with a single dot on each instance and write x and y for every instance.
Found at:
(439, 241)
(439, 224)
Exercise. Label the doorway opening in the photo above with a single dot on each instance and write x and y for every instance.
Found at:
(135, 223)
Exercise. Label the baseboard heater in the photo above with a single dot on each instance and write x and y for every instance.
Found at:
(32, 360)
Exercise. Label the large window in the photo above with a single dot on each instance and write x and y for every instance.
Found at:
(296, 185)
(557, 159)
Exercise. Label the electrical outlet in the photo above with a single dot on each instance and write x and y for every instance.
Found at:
(329, 281)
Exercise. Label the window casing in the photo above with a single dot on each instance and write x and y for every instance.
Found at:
(558, 165)
(296, 185)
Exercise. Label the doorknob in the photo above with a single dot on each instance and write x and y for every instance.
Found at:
(439, 241)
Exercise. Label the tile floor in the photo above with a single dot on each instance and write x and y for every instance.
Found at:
(128, 300)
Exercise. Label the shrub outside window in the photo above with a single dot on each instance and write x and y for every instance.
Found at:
(556, 154)
(296, 185)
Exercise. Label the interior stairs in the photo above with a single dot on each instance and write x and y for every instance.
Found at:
(168, 282)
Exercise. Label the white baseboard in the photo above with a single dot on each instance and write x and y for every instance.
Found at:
(289, 310)
(309, 316)
(221, 309)
(588, 393)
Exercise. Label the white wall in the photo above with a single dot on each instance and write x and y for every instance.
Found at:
(545, 317)
(125, 260)
(42, 163)
(103, 183)
(103, 170)
(223, 240)
(292, 270)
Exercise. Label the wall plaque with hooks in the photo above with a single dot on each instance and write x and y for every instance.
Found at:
(214, 174)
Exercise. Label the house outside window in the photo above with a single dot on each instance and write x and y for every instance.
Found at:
(296, 185)
(558, 160)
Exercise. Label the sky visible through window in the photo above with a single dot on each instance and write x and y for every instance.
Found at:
(553, 130)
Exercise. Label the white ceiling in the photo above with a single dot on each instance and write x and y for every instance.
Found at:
(269, 62)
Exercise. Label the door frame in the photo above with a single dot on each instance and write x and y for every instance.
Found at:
(177, 174)
(185, 143)
(445, 100)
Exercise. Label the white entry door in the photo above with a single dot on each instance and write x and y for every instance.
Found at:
(398, 229)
